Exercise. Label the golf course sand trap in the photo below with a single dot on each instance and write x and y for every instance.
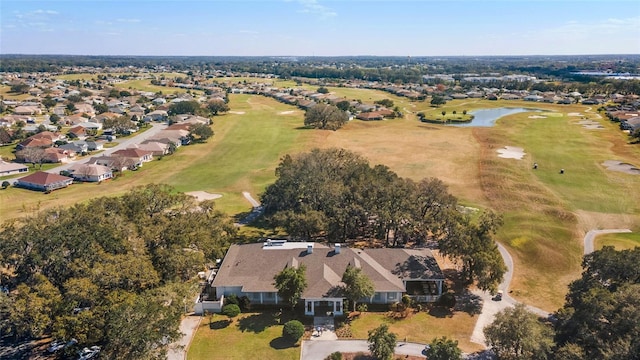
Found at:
(511, 152)
(616, 165)
(203, 195)
(574, 114)
(590, 124)
(537, 117)
(286, 112)
(236, 112)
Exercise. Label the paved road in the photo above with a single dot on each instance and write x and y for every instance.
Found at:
(320, 349)
(188, 327)
(490, 307)
(122, 144)
(590, 237)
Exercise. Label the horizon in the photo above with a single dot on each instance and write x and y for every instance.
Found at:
(319, 28)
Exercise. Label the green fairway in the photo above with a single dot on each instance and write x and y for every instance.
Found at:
(622, 241)
(249, 336)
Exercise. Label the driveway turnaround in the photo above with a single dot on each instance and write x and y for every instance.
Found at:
(320, 349)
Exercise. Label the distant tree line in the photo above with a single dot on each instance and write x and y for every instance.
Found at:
(111, 272)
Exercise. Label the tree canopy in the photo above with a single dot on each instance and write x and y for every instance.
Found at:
(291, 283)
(517, 334)
(601, 316)
(335, 194)
(356, 285)
(382, 342)
(217, 106)
(443, 349)
(110, 271)
(184, 107)
(327, 117)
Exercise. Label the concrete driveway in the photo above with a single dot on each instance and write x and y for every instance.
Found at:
(320, 349)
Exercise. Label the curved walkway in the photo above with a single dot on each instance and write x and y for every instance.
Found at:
(320, 349)
(589, 238)
(491, 307)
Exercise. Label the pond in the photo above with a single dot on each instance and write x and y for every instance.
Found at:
(488, 117)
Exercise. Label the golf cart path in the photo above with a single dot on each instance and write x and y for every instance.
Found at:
(589, 238)
(255, 203)
(491, 307)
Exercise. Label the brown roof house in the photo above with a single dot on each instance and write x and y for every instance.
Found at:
(249, 270)
(139, 156)
(90, 172)
(44, 181)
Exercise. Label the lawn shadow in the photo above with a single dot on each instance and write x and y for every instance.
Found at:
(441, 312)
(468, 302)
(281, 343)
(220, 324)
(256, 323)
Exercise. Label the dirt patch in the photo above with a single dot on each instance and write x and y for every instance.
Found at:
(589, 220)
(511, 152)
(619, 166)
(590, 124)
(237, 112)
(203, 195)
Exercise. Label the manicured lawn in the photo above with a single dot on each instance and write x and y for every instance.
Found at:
(250, 336)
(421, 327)
(622, 241)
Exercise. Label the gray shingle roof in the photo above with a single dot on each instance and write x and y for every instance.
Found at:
(251, 267)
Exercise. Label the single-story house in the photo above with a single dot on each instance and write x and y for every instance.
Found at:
(138, 155)
(9, 168)
(90, 172)
(368, 116)
(44, 181)
(249, 270)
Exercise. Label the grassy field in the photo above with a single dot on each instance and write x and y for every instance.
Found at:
(145, 85)
(241, 156)
(249, 336)
(622, 241)
(421, 327)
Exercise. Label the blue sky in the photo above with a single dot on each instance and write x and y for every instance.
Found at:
(319, 27)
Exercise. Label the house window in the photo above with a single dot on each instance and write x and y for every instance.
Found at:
(338, 306)
(309, 306)
(269, 295)
(391, 296)
(376, 297)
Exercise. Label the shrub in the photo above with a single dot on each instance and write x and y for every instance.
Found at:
(448, 300)
(363, 307)
(406, 300)
(231, 299)
(231, 310)
(5, 184)
(293, 330)
(245, 303)
(334, 356)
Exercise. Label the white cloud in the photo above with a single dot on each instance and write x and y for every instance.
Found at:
(131, 21)
(313, 7)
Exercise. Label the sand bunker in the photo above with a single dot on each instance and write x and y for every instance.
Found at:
(203, 195)
(537, 117)
(236, 112)
(590, 124)
(511, 152)
(615, 165)
(286, 112)
(574, 114)
(553, 114)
